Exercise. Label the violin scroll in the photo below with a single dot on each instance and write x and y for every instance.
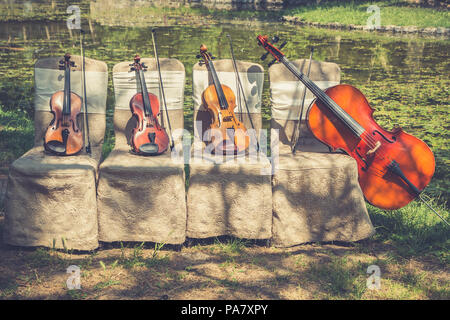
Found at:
(66, 62)
(204, 55)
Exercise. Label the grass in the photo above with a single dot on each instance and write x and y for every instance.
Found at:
(414, 230)
(16, 135)
(391, 13)
(136, 259)
(312, 271)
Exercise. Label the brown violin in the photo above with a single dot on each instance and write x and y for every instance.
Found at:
(228, 135)
(149, 138)
(63, 136)
(394, 167)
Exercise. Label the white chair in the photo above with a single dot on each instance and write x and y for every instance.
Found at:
(51, 200)
(230, 196)
(316, 195)
(142, 198)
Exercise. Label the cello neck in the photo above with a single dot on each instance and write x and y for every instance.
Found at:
(351, 123)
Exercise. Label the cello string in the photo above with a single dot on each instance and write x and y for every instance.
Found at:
(343, 115)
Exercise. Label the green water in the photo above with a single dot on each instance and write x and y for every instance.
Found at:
(405, 79)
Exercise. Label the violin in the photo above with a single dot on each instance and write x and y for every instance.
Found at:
(228, 134)
(393, 166)
(149, 138)
(63, 136)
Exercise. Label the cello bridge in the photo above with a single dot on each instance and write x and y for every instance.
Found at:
(374, 149)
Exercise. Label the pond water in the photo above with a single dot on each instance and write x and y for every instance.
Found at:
(405, 79)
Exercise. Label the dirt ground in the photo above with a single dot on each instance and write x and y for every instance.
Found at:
(223, 268)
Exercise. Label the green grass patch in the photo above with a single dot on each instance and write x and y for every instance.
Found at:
(391, 13)
(413, 230)
(136, 258)
(231, 245)
(16, 135)
(340, 278)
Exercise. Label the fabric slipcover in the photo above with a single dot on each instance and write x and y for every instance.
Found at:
(315, 193)
(51, 200)
(229, 195)
(286, 93)
(142, 198)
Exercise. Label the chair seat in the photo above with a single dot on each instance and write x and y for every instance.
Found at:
(36, 162)
(123, 160)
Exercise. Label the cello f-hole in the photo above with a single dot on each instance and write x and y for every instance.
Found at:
(384, 137)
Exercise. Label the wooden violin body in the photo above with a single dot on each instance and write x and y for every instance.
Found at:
(225, 122)
(228, 135)
(381, 187)
(63, 136)
(148, 137)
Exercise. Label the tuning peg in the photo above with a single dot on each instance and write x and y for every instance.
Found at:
(264, 56)
(144, 65)
(275, 39)
(213, 58)
(271, 63)
(201, 63)
(198, 56)
(282, 45)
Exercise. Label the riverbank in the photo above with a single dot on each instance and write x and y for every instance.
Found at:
(382, 17)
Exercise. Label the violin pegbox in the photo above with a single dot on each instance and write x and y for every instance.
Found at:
(63, 63)
(137, 65)
(204, 55)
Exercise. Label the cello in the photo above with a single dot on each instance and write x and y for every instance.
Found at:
(393, 166)
(149, 138)
(228, 134)
(63, 136)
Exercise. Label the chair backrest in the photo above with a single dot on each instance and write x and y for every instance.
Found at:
(252, 79)
(286, 93)
(125, 87)
(48, 79)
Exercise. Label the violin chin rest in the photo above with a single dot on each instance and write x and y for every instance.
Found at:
(149, 149)
(57, 147)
